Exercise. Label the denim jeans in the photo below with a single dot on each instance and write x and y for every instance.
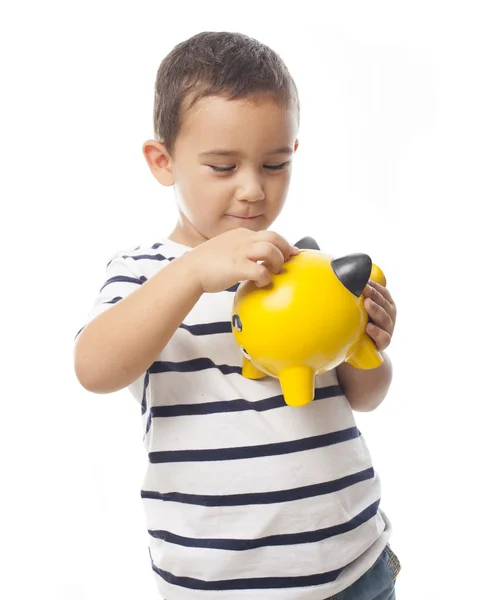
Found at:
(376, 584)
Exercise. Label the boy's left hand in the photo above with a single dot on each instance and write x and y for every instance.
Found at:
(381, 309)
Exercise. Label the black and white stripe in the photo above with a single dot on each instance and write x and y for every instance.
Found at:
(244, 495)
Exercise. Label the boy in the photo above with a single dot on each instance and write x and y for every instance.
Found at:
(245, 497)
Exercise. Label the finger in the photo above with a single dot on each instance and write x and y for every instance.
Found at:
(269, 254)
(381, 338)
(374, 294)
(280, 242)
(257, 273)
(378, 315)
(382, 290)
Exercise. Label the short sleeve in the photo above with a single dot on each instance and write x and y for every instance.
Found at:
(122, 278)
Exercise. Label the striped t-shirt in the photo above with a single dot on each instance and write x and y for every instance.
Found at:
(244, 496)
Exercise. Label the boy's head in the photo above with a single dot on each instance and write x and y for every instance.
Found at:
(226, 118)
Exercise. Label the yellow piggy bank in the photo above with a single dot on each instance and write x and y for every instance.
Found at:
(308, 320)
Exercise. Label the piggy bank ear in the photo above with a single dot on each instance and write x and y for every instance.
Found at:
(307, 243)
(353, 271)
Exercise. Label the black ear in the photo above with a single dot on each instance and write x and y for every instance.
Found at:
(353, 271)
(307, 243)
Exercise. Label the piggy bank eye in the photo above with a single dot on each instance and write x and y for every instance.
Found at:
(236, 322)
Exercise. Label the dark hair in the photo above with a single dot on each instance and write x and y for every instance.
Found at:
(216, 63)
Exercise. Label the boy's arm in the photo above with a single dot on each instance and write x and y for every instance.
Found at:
(120, 344)
(365, 389)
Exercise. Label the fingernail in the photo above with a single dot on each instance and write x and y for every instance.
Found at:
(294, 250)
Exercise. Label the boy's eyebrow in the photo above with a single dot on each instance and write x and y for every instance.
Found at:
(284, 150)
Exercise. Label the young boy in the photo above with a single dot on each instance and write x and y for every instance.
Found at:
(245, 497)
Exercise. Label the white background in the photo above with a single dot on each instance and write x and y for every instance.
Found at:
(390, 163)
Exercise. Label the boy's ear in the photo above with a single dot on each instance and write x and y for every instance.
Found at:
(296, 145)
(159, 161)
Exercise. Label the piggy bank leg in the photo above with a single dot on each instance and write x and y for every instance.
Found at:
(250, 371)
(365, 354)
(297, 385)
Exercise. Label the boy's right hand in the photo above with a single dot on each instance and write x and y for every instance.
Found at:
(233, 256)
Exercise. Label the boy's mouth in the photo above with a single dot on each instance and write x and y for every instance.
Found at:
(244, 218)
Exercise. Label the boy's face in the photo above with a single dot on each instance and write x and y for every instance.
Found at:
(231, 166)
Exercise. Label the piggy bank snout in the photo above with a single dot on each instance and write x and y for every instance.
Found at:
(353, 271)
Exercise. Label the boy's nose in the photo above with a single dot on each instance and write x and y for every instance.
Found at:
(250, 190)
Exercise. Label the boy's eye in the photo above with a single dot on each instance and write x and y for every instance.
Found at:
(276, 167)
(221, 169)
(269, 167)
